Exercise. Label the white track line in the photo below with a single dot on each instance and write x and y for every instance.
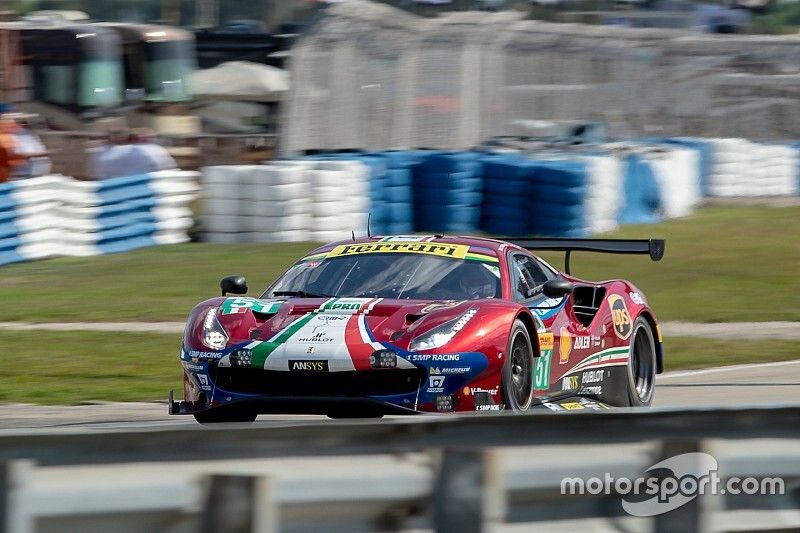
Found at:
(730, 368)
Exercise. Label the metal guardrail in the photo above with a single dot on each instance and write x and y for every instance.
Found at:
(462, 486)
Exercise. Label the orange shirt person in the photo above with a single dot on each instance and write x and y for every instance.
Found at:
(9, 160)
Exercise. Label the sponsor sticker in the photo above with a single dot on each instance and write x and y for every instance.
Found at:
(541, 370)
(321, 337)
(582, 342)
(453, 251)
(446, 370)
(232, 306)
(545, 341)
(436, 384)
(204, 384)
(637, 298)
(343, 305)
(570, 383)
(597, 390)
(564, 346)
(572, 406)
(308, 366)
(440, 357)
(621, 319)
(489, 407)
(196, 355)
(552, 406)
(592, 376)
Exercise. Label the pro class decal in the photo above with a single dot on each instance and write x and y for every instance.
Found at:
(620, 316)
(453, 251)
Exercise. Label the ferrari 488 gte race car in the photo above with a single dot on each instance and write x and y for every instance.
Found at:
(402, 325)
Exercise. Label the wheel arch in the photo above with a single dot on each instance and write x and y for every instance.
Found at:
(651, 321)
(527, 319)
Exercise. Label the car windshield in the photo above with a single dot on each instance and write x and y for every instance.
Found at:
(410, 276)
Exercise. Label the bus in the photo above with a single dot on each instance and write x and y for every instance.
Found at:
(70, 74)
(157, 63)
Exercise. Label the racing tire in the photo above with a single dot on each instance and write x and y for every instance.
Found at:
(225, 416)
(641, 365)
(517, 373)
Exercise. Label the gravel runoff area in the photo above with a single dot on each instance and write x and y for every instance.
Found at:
(719, 330)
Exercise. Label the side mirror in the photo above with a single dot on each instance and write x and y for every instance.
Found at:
(557, 288)
(233, 285)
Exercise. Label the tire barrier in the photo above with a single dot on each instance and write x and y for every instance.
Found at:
(556, 190)
(54, 215)
(448, 191)
(321, 199)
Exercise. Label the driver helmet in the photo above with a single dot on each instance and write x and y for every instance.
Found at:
(477, 283)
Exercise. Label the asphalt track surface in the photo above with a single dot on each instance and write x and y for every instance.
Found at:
(756, 384)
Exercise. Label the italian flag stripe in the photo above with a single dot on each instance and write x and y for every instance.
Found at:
(263, 350)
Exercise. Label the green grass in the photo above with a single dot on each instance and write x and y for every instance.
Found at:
(67, 368)
(722, 264)
(681, 353)
(152, 284)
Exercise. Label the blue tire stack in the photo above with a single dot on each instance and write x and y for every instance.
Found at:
(448, 191)
(560, 195)
(397, 193)
(642, 196)
(508, 195)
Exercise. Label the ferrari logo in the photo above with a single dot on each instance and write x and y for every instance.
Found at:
(310, 349)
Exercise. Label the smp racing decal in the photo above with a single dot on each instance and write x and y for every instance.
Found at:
(240, 305)
(623, 327)
(452, 251)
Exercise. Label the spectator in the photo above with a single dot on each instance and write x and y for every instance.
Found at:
(22, 154)
(35, 161)
(129, 153)
(157, 156)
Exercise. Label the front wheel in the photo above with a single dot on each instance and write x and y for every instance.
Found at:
(518, 369)
(641, 365)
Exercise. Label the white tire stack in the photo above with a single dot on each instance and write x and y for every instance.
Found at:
(340, 200)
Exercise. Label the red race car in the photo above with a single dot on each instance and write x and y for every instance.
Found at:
(409, 324)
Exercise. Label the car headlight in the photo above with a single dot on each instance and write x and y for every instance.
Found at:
(441, 335)
(214, 335)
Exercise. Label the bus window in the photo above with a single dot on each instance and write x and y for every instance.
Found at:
(169, 64)
(100, 83)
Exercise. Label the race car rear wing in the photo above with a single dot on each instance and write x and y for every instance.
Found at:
(652, 247)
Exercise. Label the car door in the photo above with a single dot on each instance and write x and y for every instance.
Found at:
(527, 275)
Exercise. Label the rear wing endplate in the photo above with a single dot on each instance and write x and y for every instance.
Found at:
(652, 247)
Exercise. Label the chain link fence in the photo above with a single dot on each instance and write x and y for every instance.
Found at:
(374, 77)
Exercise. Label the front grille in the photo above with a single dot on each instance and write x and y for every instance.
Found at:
(352, 383)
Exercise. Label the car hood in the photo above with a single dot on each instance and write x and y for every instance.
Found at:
(343, 332)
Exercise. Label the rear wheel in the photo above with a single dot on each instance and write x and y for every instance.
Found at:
(221, 416)
(518, 369)
(641, 364)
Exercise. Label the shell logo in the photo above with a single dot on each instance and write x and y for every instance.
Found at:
(564, 346)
